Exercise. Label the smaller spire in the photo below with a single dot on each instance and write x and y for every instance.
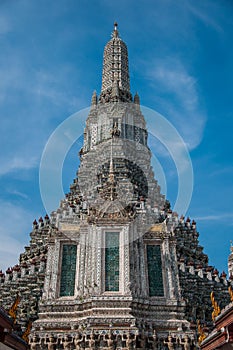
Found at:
(115, 89)
(115, 32)
(94, 99)
(136, 99)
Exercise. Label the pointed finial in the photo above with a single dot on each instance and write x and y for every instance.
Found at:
(94, 99)
(115, 32)
(136, 99)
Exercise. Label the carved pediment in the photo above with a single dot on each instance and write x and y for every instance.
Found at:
(158, 230)
(111, 211)
(159, 227)
(69, 227)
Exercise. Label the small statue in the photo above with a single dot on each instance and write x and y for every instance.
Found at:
(92, 341)
(142, 340)
(33, 342)
(169, 343)
(115, 132)
(66, 343)
(51, 342)
(78, 341)
(101, 341)
(185, 343)
(81, 153)
(110, 341)
(153, 341)
(131, 341)
(119, 340)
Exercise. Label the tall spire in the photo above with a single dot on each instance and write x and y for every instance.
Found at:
(115, 70)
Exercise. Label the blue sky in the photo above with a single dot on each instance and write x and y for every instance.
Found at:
(181, 64)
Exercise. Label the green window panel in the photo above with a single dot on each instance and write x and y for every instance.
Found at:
(68, 269)
(155, 276)
(112, 261)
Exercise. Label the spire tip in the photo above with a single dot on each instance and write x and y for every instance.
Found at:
(115, 32)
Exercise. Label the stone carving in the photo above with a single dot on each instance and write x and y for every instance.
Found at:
(92, 341)
(79, 341)
(34, 342)
(153, 341)
(131, 341)
(186, 343)
(51, 342)
(66, 342)
(142, 340)
(170, 343)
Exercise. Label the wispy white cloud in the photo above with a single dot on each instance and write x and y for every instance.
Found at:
(204, 15)
(174, 78)
(43, 84)
(18, 163)
(216, 217)
(181, 100)
(18, 193)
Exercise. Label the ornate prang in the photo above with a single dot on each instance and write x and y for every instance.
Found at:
(114, 267)
(115, 78)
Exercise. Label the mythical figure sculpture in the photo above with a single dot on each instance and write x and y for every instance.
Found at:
(78, 341)
(170, 343)
(51, 341)
(66, 342)
(34, 342)
(185, 343)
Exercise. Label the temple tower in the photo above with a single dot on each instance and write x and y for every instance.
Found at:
(112, 274)
(114, 267)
